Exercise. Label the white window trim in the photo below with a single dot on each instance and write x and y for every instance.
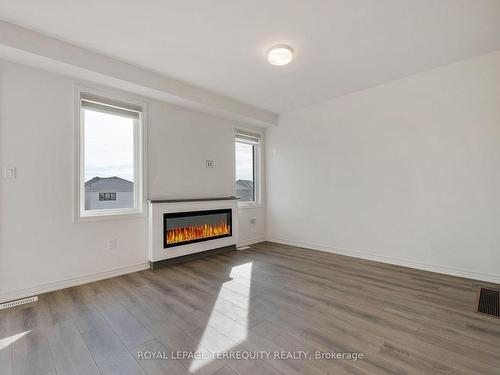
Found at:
(140, 162)
(258, 202)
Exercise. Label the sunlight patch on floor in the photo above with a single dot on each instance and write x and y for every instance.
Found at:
(5, 342)
(214, 319)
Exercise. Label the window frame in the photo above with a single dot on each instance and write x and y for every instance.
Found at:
(257, 169)
(140, 141)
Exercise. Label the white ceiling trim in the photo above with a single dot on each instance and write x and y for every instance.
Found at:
(25, 46)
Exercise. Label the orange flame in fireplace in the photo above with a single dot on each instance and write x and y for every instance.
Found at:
(197, 232)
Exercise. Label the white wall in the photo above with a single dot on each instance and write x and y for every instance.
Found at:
(40, 246)
(407, 172)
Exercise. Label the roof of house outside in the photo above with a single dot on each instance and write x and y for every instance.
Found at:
(244, 185)
(245, 190)
(109, 184)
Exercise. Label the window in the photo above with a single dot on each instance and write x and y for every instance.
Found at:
(107, 196)
(247, 151)
(109, 157)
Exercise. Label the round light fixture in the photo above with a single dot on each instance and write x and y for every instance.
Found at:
(280, 55)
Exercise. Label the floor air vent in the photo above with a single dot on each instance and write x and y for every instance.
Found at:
(489, 302)
(18, 302)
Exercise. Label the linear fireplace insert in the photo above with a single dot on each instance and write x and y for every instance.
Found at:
(181, 228)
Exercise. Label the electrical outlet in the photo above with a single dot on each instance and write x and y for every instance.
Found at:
(9, 172)
(112, 244)
(209, 163)
(252, 222)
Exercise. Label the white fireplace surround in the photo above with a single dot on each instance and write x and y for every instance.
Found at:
(156, 233)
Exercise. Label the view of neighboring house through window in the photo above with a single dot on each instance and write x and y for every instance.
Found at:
(110, 157)
(247, 156)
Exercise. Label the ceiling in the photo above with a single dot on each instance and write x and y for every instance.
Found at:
(341, 46)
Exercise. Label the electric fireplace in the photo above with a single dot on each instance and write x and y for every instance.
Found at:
(182, 228)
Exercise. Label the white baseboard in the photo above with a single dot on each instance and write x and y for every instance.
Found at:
(50, 287)
(250, 241)
(396, 261)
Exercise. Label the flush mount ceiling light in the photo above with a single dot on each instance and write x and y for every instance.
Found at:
(280, 55)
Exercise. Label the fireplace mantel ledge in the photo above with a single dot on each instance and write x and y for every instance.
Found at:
(231, 198)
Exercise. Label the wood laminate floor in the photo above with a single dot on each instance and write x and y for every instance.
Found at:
(270, 298)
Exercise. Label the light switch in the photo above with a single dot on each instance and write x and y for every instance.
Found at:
(209, 163)
(112, 244)
(9, 172)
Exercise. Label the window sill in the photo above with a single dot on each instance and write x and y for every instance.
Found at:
(109, 217)
(243, 206)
